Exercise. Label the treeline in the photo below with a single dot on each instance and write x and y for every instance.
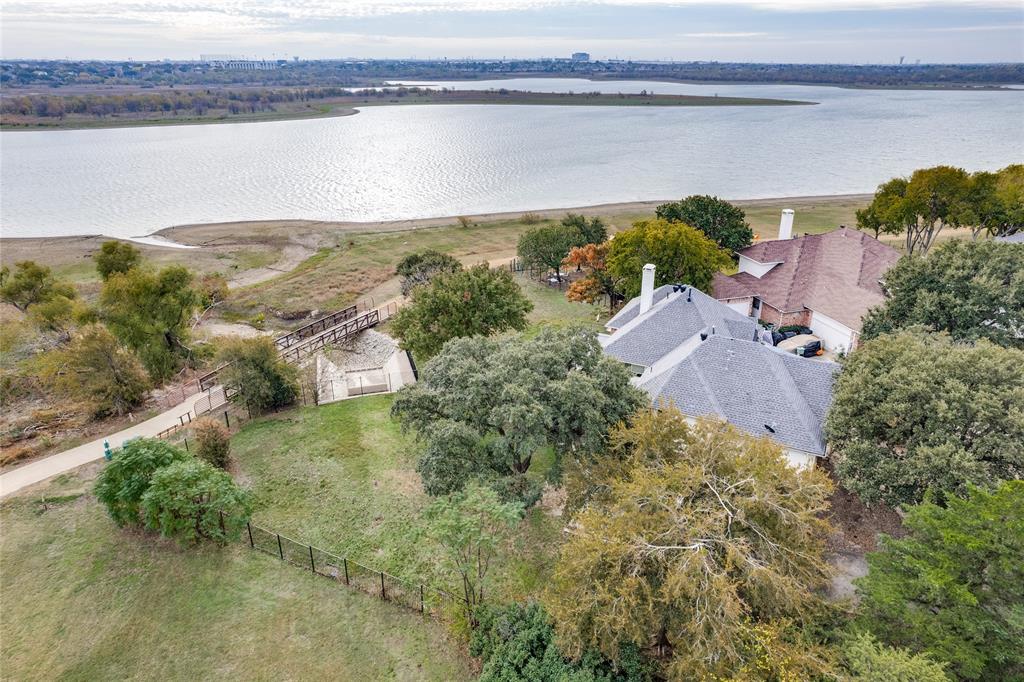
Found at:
(334, 73)
(176, 102)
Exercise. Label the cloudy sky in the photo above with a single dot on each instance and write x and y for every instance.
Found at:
(737, 30)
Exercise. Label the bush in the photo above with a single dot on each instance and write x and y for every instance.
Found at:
(869, 661)
(530, 218)
(213, 442)
(517, 642)
(259, 378)
(116, 257)
(123, 482)
(191, 500)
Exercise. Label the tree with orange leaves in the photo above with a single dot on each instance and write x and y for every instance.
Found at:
(599, 282)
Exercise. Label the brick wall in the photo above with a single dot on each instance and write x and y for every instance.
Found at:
(774, 316)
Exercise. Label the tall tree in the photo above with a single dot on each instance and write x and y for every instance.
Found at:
(420, 267)
(718, 219)
(484, 407)
(31, 284)
(938, 197)
(472, 302)
(1010, 194)
(115, 257)
(96, 369)
(547, 246)
(682, 254)
(889, 213)
(971, 290)
(592, 231)
(707, 545)
(149, 312)
(954, 587)
(915, 411)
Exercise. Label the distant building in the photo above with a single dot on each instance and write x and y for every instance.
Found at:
(581, 56)
(232, 63)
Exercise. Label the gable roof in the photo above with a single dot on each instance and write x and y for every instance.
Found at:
(835, 273)
(675, 317)
(750, 386)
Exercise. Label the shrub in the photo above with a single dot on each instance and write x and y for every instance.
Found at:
(191, 500)
(530, 218)
(869, 661)
(257, 375)
(213, 442)
(123, 482)
(116, 257)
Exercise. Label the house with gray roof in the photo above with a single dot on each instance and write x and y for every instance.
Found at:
(689, 350)
(754, 387)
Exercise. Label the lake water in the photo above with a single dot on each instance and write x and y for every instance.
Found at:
(421, 161)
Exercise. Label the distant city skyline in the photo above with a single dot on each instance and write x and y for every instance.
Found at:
(846, 31)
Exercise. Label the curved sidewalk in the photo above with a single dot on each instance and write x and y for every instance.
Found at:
(47, 467)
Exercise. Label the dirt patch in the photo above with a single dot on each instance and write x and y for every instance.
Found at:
(291, 256)
(858, 526)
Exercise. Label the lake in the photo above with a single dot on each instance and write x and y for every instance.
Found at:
(421, 161)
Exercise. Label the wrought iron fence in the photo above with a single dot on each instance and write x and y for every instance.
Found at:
(407, 593)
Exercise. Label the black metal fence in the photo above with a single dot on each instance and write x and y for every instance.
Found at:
(412, 595)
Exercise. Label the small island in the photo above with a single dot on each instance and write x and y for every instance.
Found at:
(103, 109)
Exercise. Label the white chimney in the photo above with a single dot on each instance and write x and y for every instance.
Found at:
(647, 289)
(786, 224)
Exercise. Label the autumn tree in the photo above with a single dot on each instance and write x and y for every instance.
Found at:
(954, 587)
(125, 479)
(470, 525)
(149, 312)
(96, 369)
(681, 254)
(972, 290)
(599, 282)
(721, 221)
(472, 302)
(484, 407)
(31, 284)
(191, 500)
(915, 411)
(116, 257)
(420, 267)
(255, 375)
(706, 546)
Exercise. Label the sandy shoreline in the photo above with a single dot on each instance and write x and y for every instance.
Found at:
(204, 233)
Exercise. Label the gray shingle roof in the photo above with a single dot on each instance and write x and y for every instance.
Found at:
(751, 385)
(674, 318)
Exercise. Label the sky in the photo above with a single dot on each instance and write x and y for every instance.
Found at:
(847, 31)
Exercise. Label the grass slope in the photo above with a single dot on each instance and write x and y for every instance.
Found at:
(84, 600)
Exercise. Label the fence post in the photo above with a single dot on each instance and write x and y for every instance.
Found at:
(227, 421)
(345, 562)
(422, 609)
(248, 527)
(312, 566)
(280, 550)
(383, 593)
(181, 419)
(186, 443)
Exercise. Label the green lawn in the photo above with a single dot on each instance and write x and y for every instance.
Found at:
(84, 600)
(342, 478)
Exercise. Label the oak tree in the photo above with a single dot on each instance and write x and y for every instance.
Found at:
(721, 221)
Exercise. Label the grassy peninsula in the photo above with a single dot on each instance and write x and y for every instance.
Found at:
(138, 108)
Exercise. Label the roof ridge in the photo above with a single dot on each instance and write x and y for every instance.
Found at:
(785, 380)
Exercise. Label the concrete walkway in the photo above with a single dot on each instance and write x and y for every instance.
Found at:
(47, 467)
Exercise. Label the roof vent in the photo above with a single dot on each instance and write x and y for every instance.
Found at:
(770, 429)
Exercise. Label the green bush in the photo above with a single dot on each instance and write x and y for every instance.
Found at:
(259, 378)
(191, 500)
(869, 661)
(213, 442)
(123, 482)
